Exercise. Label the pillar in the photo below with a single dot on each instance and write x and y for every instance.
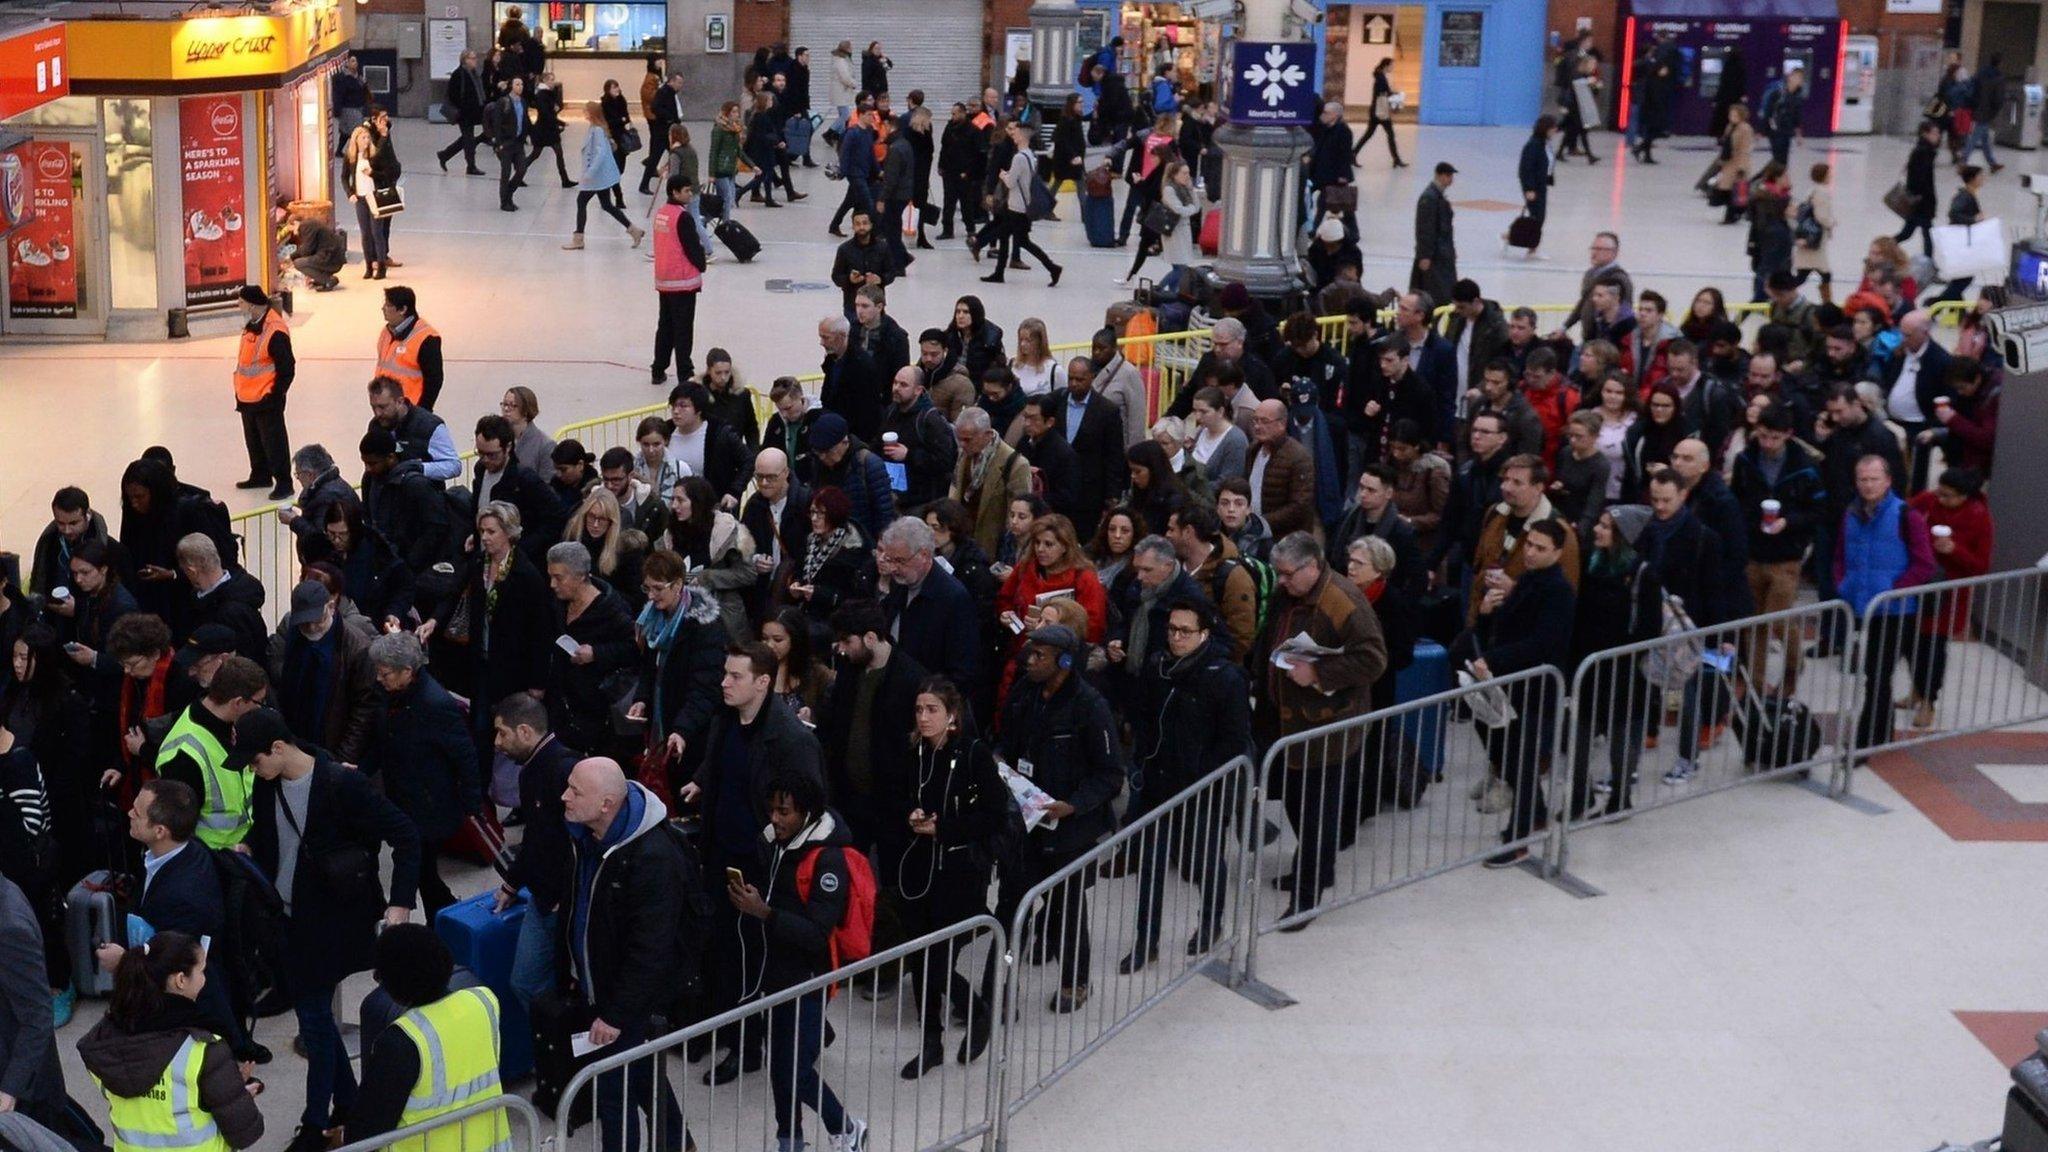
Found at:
(1055, 44)
(1262, 178)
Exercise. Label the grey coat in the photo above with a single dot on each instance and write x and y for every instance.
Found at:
(29, 1071)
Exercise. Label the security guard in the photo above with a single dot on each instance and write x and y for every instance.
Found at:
(171, 1085)
(264, 368)
(440, 1056)
(195, 751)
(409, 348)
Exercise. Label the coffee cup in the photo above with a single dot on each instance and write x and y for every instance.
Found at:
(1771, 509)
(1944, 402)
(890, 438)
(1942, 531)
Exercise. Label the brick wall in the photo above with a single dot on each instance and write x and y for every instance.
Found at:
(759, 23)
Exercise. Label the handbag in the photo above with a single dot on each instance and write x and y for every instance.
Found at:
(1976, 250)
(1902, 202)
(1099, 182)
(449, 112)
(1807, 229)
(1935, 109)
(1671, 665)
(1340, 198)
(1160, 220)
(386, 202)
(629, 140)
(1382, 107)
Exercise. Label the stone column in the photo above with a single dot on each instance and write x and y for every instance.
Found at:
(1262, 178)
(1055, 47)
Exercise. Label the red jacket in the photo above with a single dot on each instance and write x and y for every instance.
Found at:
(1554, 406)
(1971, 523)
(1020, 592)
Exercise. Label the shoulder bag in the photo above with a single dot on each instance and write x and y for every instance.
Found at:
(387, 202)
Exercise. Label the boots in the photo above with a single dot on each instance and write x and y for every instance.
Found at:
(575, 243)
(932, 1056)
(638, 233)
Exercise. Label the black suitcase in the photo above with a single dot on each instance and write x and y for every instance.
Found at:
(95, 913)
(1775, 730)
(557, 1019)
(738, 240)
(710, 206)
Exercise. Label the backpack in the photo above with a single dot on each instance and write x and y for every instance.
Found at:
(208, 516)
(853, 939)
(695, 917)
(251, 947)
(1263, 581)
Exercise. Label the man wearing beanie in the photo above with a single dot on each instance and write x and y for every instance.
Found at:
(403, 504)
(263, 374)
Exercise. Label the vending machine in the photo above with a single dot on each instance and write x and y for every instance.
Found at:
(1856, 114)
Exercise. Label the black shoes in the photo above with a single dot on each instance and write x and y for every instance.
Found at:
(1139, 957)
(1056, 270)
(253, 482)
(732, 1065)
(933, 1056)
(281, 492)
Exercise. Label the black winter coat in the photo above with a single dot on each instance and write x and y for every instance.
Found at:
(543, 863)
(1070, 740)
(877, 815)
(412, 512)
(1800, 493)
(422, 749)
(1191, 717)
(579, 705)
(634, 966)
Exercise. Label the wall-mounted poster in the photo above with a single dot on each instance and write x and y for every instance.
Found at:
(215, 204)
(1459, 41)
(42, 260)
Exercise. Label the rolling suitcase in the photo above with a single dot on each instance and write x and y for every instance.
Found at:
(1212, 233)
(557, 1018)
(1429, 674)
(738, 240)
(95, 913)
(483, 941)
(1098, 216)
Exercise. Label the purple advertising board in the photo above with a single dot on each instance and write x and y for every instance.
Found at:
(1756, 48)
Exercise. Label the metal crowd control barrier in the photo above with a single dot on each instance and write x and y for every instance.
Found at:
(445, 1133)
(859, 1044)
(1691, 713)
(1076, 980)
(1974, 651)
(1398, 795)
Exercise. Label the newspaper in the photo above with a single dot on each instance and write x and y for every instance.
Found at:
(1300, 647)
(1031, 799)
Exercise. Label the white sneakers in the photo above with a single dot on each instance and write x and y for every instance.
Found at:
(854, 1139)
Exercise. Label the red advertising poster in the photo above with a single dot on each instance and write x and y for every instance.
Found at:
(42, 258)
(216, 244)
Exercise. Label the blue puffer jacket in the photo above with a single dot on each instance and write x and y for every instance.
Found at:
(1886, 550)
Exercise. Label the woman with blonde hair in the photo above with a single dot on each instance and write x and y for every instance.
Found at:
(616, 552)
(1051, 561)
(1034, 362)
(600, 179)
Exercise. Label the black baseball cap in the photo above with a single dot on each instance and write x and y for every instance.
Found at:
(257, 732)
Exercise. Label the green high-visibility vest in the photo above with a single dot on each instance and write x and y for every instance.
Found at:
(224, 815)
(167, 1118)
(457, 1040)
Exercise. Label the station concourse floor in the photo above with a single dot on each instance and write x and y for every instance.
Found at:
(1767, 969)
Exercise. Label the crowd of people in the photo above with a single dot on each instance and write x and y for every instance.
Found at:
(843, 631)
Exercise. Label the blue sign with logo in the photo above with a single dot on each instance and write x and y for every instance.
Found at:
(2029, 278)
(1273, 84)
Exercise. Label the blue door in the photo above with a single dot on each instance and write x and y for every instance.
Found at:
(1482, 61)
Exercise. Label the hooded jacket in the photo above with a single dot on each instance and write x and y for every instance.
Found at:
(129, 1064)
(1193, 715)
(795, 942)
(1799, 492)
(620, 936)
(237, 604)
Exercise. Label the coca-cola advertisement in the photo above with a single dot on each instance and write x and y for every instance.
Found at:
(216, 208)
(42, 257)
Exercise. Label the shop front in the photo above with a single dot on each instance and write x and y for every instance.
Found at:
(588, 44)
(1154, 34)
(151, 180)
(1453, 61)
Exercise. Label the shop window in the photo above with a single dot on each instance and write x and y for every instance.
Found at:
(613, 26)
(68, 112)
(131, 203)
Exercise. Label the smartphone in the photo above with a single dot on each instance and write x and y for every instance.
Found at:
(735, 877)
(567, 644)
(71, 647)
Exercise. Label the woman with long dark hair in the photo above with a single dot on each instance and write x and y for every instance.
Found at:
(958, 806)
(1709, 311)
(801, 678)
(1647, 444)
(1069, 147)
(717, 548)
(151, 525)
(618, 116)
(45, 785)
(1115, 535)
(1620, 603)
(972, 338)
(98, 598)
(1156, 492)
(159, 1064)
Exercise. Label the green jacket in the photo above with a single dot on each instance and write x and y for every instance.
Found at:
(725, 152)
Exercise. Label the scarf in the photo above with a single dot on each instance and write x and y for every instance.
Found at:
(152, 703)
(822, 548)
(1141, 623)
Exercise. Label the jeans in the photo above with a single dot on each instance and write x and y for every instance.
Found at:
(796, 1034)
(1781, 147)
(1980, 137)
(376, 234)
(330, 1081)
(703, 233)
(1616, 704)
(1706, 699)
(626, 1095)
(533, 956)
(728, 191)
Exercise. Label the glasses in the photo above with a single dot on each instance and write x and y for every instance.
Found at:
(1182, 630)
(766, 477)
(1286, 573)
(653, 586)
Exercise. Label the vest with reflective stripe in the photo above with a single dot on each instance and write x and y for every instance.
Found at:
(169, 1115)
(400, 359)
(224, 816)
(457, 1040)
(255, 373)
(673, 271)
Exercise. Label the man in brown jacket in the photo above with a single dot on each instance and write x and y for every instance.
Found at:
(1213, 562)
(1497, 559)
(1298, 693)
(987, 477)
(1283, 474)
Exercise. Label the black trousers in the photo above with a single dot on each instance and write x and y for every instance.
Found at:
(270, 448)
(1930, 664)
(955, 895)
(465, 144)
(1311, 787)
(1060, 925)
(958, 193)
(675, 332)
(1373, 124)
(1014, 236)
(511, 168)
(434, 892)
(1885, 640)
(561, 164)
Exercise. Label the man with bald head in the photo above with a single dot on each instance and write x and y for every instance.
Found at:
(777, 515)
(626, 958)
(1283, 474)
(1711, 500)
(1912, 380)
(917, 443)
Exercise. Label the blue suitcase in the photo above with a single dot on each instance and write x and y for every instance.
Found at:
(1098, 216)
(1424, 727)
(483, 942)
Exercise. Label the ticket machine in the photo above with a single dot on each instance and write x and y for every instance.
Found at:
(1856, 115)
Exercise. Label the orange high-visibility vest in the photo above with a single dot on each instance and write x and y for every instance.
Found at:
(400, 359)
(255, 373)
